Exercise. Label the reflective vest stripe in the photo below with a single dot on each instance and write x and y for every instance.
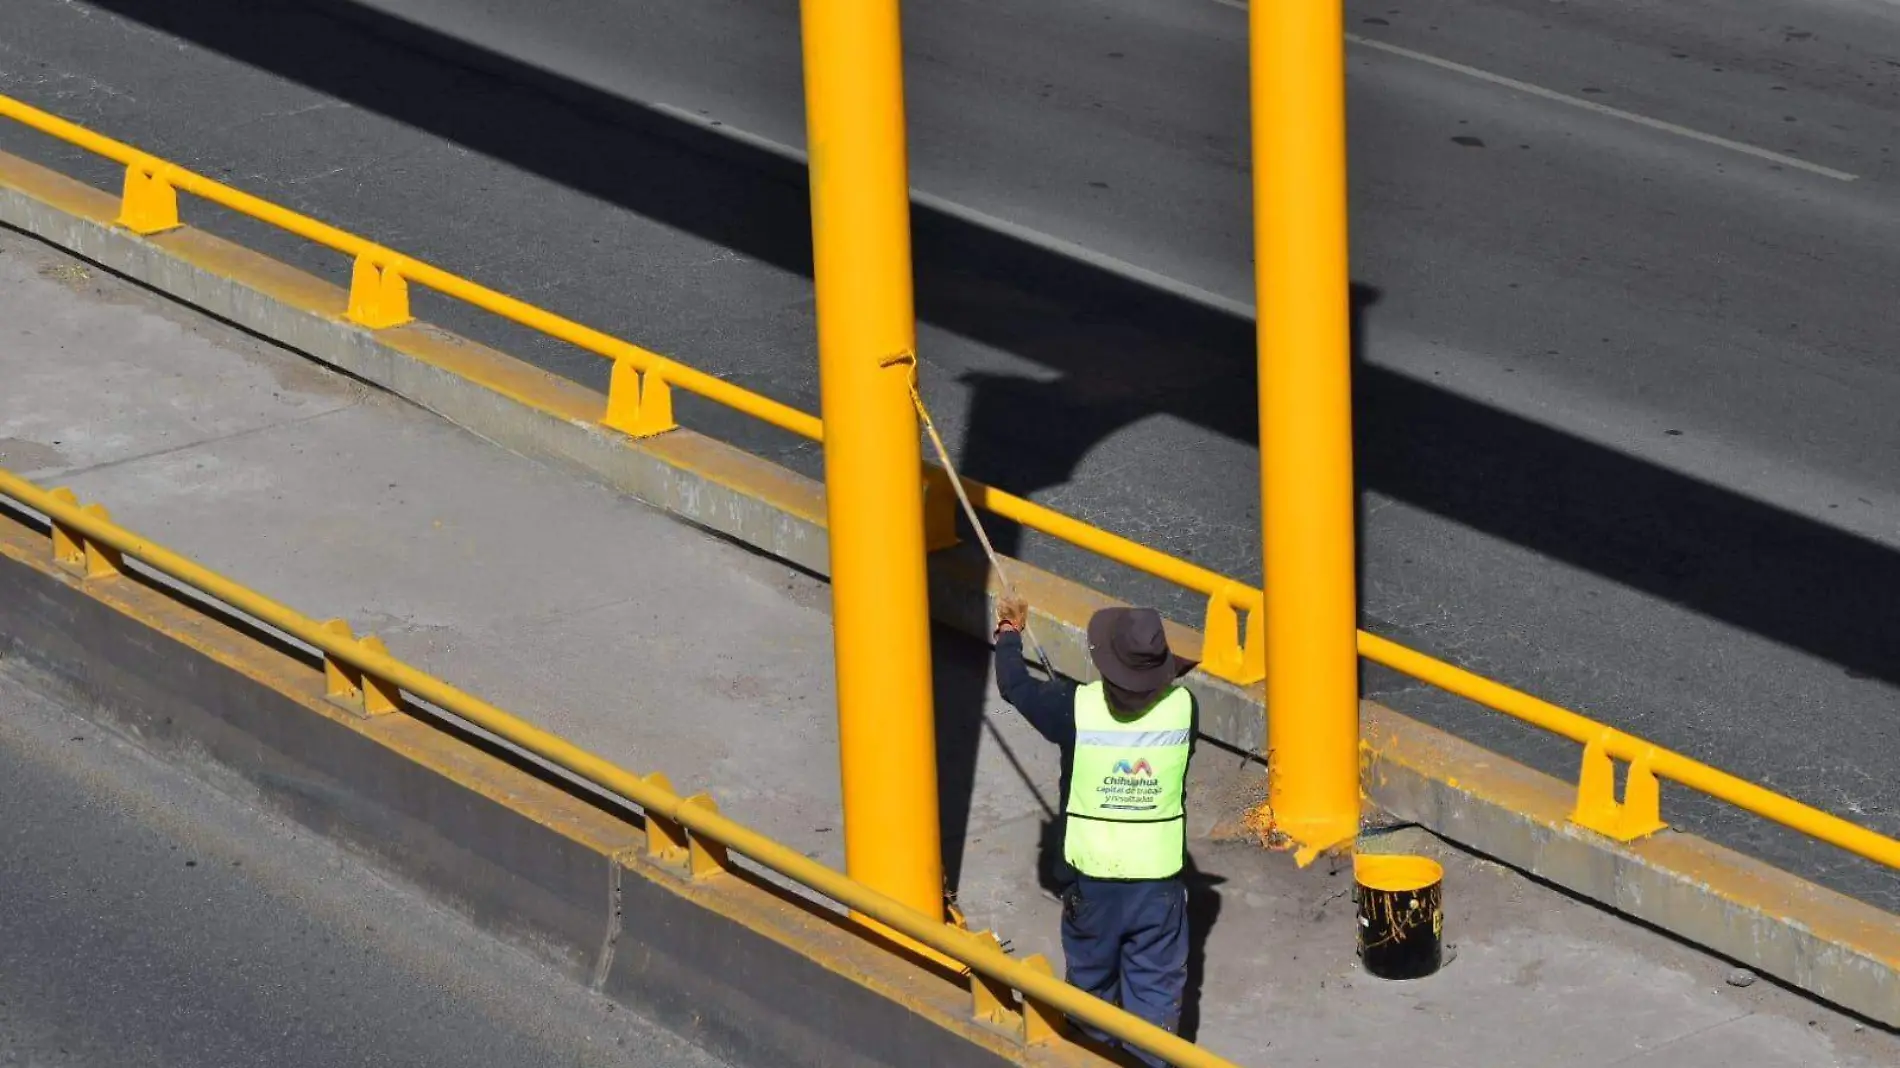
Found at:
(1132, 739)
(1123, 819)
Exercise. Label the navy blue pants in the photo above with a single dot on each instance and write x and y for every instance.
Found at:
(1127, 943)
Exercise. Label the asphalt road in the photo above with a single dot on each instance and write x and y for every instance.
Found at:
(150, 920)
(1624, 406)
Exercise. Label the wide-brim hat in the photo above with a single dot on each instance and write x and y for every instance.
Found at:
(1130, 649)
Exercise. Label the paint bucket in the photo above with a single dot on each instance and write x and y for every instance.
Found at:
(1401, 915)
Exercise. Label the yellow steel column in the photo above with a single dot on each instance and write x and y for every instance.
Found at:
(860, 200)
(1306, 484)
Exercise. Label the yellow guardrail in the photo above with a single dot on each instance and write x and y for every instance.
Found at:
(639, 404)
(639, 398)
(687, 832)
(1639, 813)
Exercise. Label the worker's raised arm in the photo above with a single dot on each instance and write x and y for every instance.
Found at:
(1048, 706)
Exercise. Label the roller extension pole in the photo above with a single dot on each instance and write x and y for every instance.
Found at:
(860, 198)
(1297, 59)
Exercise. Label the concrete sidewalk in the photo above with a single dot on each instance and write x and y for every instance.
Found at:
(661, 647)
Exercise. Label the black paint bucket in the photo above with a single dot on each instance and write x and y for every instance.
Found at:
(1401, 915)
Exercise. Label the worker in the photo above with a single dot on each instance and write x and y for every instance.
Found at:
(1125, 741)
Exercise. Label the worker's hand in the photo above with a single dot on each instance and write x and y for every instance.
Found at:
(1011, 613)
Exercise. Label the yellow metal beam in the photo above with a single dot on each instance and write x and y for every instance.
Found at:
(1297, 56)
(860, 199)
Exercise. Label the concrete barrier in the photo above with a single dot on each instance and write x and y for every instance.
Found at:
(1822, 942)
(735, 964)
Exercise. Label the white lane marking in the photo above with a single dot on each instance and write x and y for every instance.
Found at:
(1049, 242)
(1603, 109)
(1588, 105)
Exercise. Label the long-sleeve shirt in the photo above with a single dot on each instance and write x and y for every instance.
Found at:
(1049, 706)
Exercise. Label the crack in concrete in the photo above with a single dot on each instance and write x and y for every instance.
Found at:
(1685, 1036)
(107, 465)
(604, 963)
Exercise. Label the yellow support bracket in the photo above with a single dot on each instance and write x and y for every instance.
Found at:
(992, 1001)
(1042, 1022)
(79, 554)
(379, 295)
(149, 203)
(666, 840)
(347, 685)
(705, 857)
(670, 844)
(340, 683)
(1638, 815)
(639, 403)
(68, 549)
(380, 696)
(1224, 654)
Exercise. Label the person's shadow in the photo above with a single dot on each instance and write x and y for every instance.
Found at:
(1026, 435)
(1203, 906)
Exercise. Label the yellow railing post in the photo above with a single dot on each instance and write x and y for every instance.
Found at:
(1297, 56)
(860, 201)
(149, 204)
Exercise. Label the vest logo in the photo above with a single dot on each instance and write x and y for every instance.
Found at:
(1139, 767)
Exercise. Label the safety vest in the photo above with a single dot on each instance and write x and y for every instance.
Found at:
(1125, 815)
